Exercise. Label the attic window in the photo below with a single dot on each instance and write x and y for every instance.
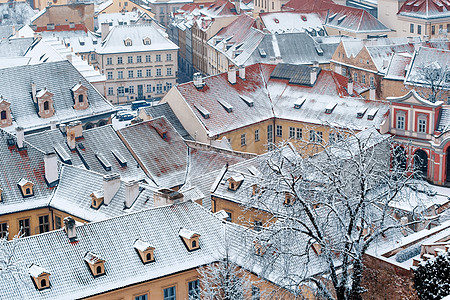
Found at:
(228, 107)
(203, 111)
(147, 41)
(127, 42)
(276, 21)
(371, 114)
(97, 198)
(190, 239)
(256, 190)
(26, 187)
(341, 19)
(103, 161)
(145, 251)
(332, 16)
(261, 247)
(298, 104)
(304, 19)
(330, 107)
(361, 112)
(40, 277)
(235, 182)
(96, 264)
(81, 41)
(122, 161)
(289, 199)
(247, 100)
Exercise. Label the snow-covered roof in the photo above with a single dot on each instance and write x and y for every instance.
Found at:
(186, 233)
(425, 9)
(92, 258)
(142, 245)
(36, 271)
(291, 21)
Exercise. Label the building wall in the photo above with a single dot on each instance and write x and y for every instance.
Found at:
(119, 6)
(77, 13)
(403, 26)
(162, 10)
(261, 6)
(165, 80)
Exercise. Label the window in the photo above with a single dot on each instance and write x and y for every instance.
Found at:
(3, 115)
(169, 71)
(332, 138)
(257, 225)
(93, 56)
(161, 10)
(344, 72)
(411, 28)
(58, 223)
(139, 73)
(80, 98)
(3, 230)
(24, 225)
(269, 133)
(130, 74)
(363, 79)
(372, 81)
(400, 121)
(169, 85)
(319, 136)
(355, 77)
(168, 57)
(120, 74)
(312, 136)
(46, 105)
(422, 124)
(130, 59)
(149, 88)
(229, 217)
(110, 75)
(141, 297)
(109, 61)
(110, 91)
(433, 30)
(170, 293)
(138, 58)
(43, 224)
(131, 89)
(194, 290)
(256, 135)
(120, 90)
(148, 58)
(148, 72)
(448, 28)
(159, 88)
(256, 294)
(291, 132)
(119, 61)
(158, 72)
(158, 57)
(279, 130)
(419, 29)
(243, 140)
(299, 134)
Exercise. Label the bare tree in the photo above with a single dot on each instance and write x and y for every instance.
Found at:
(431, 79)
(10, 265)
(331, 209)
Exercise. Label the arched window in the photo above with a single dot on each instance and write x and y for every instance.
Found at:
(46, 105)
(194, 244)
(43, 283)
(149, 256)
(421, 164)
(3, 115)
(27, 191)
(102, 123)
(80, 98)
(99, 269)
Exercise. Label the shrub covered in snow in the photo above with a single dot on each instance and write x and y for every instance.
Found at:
(408, 253)
(432, 278)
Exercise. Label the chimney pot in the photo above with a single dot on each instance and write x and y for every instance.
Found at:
(51, 168)
(111, 184)
(70, 228)
(20, 136)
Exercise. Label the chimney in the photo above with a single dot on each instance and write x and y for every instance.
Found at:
(53, 124)
(242, 72)
(51, 168)
(33, 92)
(232, 75)
(166, 196)
(131, 193)
(372, 93)
(20, 134)
(111, 184)
(73, 130)
(313, 76)
(69, 57)
(198, 81)
(237, 4)
(350, 87)
(70, 228)
(104, 30)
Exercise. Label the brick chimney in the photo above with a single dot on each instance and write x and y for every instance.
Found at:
(51, 168)
(111, 184)
(20, 134)
(232, 75)
(73, 130)
(70, 228)
(131, 193)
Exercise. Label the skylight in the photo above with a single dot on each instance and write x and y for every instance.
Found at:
(228, 107)
(330, 107)
(299, 102)
(203, 111)
(247, 100)
(371, 114)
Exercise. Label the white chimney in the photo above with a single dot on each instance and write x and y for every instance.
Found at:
(313, 76)
(51, 167)
(111, 184)
(350, 87)
(242, 72)
(20, 134)
(372, 94)
(53, 124)
(70, 228)
(131, 193)
(105, 30)
(232, 75)
(33, 92)
(198, 80)
(237, 4)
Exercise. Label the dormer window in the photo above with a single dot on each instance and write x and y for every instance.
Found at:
(80, 97)
(5, 113)
(235, 182)
(190, 239)
(26, 187)
(97, 199)
(147, 41)
(96, 264)
(261, 247)
(289, 198)
(145, 251)
(40, 277)
(127, 42)
(45, 104)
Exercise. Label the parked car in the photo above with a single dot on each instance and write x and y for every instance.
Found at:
(141, 103)
(124, 116)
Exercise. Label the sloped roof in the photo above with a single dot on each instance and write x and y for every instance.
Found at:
(58, 77)
(425, 9)
(96, 141)
(14, 47)
(384, 53)
(114, 42)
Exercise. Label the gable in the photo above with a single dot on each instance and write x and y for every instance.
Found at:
(414, 99)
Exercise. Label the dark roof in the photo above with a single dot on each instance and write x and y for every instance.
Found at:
(164, 109)
(96, 143)
(58, 77)
(14, 47)
(296, 74)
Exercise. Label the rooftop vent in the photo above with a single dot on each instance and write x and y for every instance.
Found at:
(371, 114)
(190, 239)
(332, 17)
(330, 107)
(235, 182)
(122, 161)
(40, 277)
(96, 264)
(62, 153)
(318, 49)
(341, 19)
(103, 161)
(361, 112)
(145, 251)
(299, 102)
(228, 107)
(203, 111)
(249, 101)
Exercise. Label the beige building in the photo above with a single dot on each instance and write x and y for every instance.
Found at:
(68, 14)
(139, 62)
(119, 6)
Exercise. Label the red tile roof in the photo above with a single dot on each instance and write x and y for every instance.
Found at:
(77, 27)
(425, 8)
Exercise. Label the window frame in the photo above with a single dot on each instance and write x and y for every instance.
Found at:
(257, 135)
(173, 295)
(44, 225)
(243, 140)
(279, 131)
